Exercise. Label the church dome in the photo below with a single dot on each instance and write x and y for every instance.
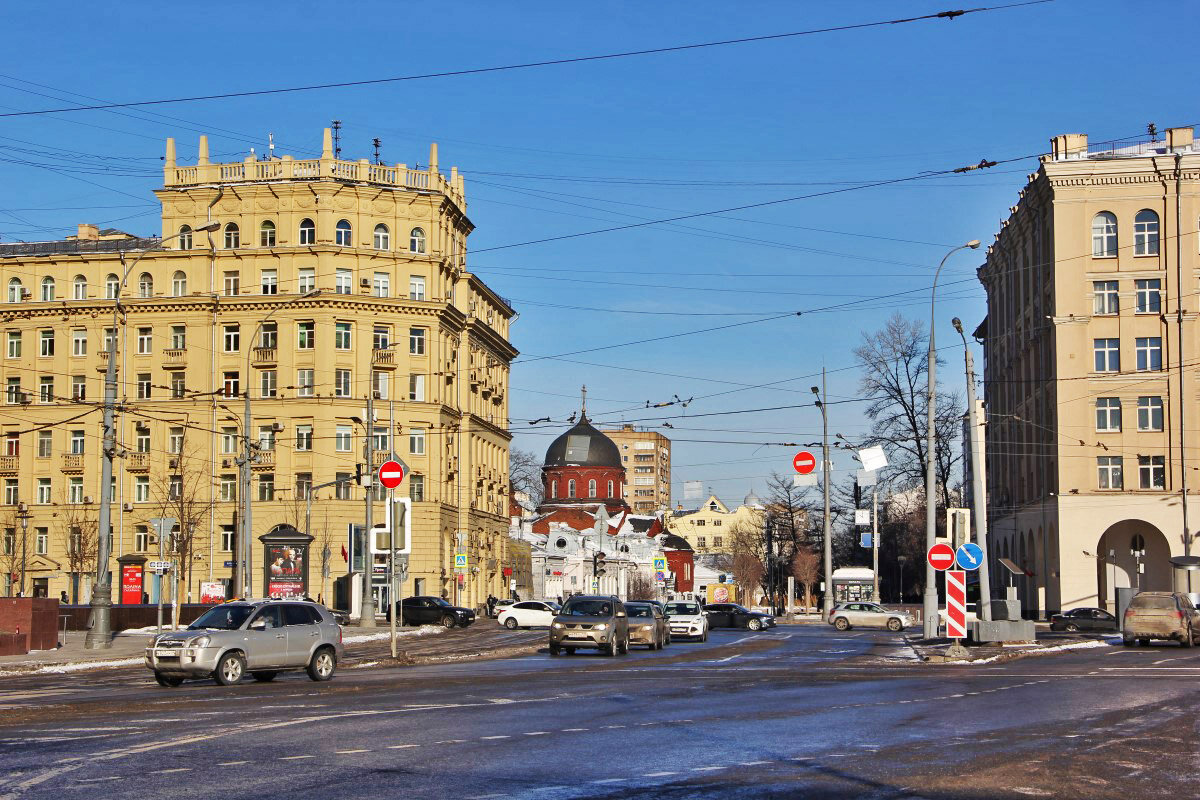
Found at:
(583, 446)
(752, 501)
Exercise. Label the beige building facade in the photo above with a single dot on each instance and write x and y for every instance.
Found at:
(206, 317)
(646, 456)
(710, 528)
(1091, 370)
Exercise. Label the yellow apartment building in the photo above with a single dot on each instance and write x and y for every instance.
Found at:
(646, 456)
(206, 317)
(1091, 370)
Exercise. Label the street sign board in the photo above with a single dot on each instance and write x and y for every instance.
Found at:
(804, 462)
(941, 556)
(956, 604)
(159, 566)
(867, 477)
(660, 564)
(864, 540)
(802, 481)
(862, 516)
(661, 577)
(391, 473)
(969, 556)
(461, 561)
(873, 458)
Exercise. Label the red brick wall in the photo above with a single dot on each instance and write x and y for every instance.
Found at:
(35, 618)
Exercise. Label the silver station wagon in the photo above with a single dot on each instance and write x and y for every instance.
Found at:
(262, 637)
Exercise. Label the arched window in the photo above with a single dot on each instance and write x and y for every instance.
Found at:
(383, 238)
(266, 234)
(344, 233)
(416, 241)
(14, 290)
(179, 283)
(571, 488)
(233, 236)
(591, 488)
(1104, 235)
(47, 289)
(554, 488)
(1145, 233)
(112, 285)
(308, 232)
(185, 237)
(80, 291)
(145, 285)
(610, 489)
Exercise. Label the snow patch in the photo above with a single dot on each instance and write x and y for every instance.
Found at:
(80, 666)
(424, 630)
(1034, 650)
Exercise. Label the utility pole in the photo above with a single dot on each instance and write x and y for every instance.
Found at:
(770, 534)
(23, 516)
(979, 500)
(875, 543)
(366, 611)
(827, 600)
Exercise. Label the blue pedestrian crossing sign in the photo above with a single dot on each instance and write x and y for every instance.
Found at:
(864, 540)
(970, 556)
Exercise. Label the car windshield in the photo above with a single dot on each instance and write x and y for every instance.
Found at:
(1153, 601)
(682, 609)
(222, 618)
(742, 609)
(554, 607)
(437, 601)
(587, 608)
(639, 611)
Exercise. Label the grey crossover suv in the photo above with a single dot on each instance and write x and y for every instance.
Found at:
(262, 637)
(590, 621)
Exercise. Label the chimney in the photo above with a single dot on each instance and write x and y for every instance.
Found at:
(87, 232)
(170, 157)
(1069, 145)
(202, 153)
(327, 144)
(433, 164)
(1180, 138)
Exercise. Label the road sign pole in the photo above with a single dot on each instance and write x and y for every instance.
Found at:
(875, 544)
(366, 610)
(391, 598)
(956, 604)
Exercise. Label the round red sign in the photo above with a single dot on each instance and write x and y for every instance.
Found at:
(941, 556)
(804, 462)
(391, 474)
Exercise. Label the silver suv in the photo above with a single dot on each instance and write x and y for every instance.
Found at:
(262, 637)
(596, 621)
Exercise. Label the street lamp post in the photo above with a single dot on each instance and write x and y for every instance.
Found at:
(99, 635)
(900, 567)
(931, 599)
(979, 512)
(23, 516)
(827, 598)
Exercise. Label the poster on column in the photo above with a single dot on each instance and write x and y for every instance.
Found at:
(286, 570)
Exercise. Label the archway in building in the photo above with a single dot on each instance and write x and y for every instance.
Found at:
(1119, 551)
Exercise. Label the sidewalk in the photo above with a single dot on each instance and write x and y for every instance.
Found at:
(934, 651)
(127, 650)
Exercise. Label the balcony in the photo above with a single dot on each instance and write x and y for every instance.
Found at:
(383, 359)
(9, 463)
(265, 356)
(264, 459)
(174, 358)
(380, 456)
(138, 462)
(72, 462)
(102, 364)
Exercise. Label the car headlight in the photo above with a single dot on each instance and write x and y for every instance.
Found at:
(646, 627)
(200, 641)
(558, 625)
(602, 626)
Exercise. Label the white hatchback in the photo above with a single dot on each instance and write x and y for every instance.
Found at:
(528, 614)
(687, 620)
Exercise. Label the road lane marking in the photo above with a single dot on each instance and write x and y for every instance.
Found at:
(752, 763)
(706, 769)
(232, 763)
(614, 726)
(496, 737)
(294, 758)
(573, 730)
(537, 733)
(166, 771)
(97, 780)
(351, 752)
(610, 780)
(658, 774)
(401, 746)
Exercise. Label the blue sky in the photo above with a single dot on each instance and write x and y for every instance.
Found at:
(564, 149)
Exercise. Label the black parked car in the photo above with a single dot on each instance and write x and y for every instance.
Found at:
(731, 615)
(435, 611)
(1083, 619)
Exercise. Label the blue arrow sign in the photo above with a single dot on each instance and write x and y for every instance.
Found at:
(970, 556)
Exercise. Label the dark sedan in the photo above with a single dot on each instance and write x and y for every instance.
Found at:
(731, 615)
(1083, 619)
(435, 611)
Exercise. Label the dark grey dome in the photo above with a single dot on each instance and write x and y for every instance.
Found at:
(583, 446)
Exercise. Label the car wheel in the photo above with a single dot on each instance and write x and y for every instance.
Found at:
(264, 676)
(841, 624)
(1144, 642)
(167, 680)
(1187, 641)
(230, 669)
(509, 623)
(1071, 628)
(570, 650)
(704, 638)
(895, 625)
(1126, 641)
(555, 650)
(609, 648)
(447, 621)
(624, 647)
(754, 624)
(323, 664)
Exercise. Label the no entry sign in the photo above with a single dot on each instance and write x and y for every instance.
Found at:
(804, 462)
(941, 556)
(956, 604)
(391, 474)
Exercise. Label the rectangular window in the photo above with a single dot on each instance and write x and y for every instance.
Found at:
(416, 441)
(229, 440)
(141, 538)
(43, 491)
(379, 385)
(268, 336)
(382, 284)
(266, 437)
(381, 337)
(227, 538)
(178, 337)
(145, 341)
(79, 387)
(416, 287)
(174, 440)
(1150, 414)
(416, 341)
(233, 283)
(266, 486)
(416, 388)
(341, 489)
(304, 383)
(47, 344)
(308, 280)
(232, 338)
(1108, 414)
(42, 544)
(1109, 468)
(304, 436)
(1104, 297)
(341, 383)
(416, 488)
(382, 442)
(270, 281)
(143, 386)
(303, 485)
(178, 385)
(14, 391)
(79, 343)
(1149, 353)
(268, 383)
(1108, 354)
(228, 488)
(45, 444)
(1152, 472)
(341, 439)
(12, 444)
(14, 344)
(75, 490)
(1148, 298)
(341, 336)
(142, 439)
(11, 492)
(77, 443)
(46, 389)
(343, 282)
(232, 384)
(306, 335)
(141, 489)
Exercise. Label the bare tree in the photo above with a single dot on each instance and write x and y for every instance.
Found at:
(749, 555)
(640, 587)
(77, 530)
(525, 475)
(16, 548)
(806, 569)
(183, 494)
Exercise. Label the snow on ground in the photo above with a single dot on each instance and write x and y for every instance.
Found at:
(424, 630)
(79, 666)
(1034, 650)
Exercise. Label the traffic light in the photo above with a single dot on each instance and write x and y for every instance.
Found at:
(857, 495)
(598, 565)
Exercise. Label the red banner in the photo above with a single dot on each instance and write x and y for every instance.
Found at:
(131, 584)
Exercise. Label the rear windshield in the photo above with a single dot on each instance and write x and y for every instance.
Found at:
(639, 611)
(222, 618)
(682, 609)
(1152, 601)
(587, 608)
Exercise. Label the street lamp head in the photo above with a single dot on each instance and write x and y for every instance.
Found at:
(973, 244)
(815, 390)
(957, 323)
(211, 227)
(356, 420)
(307, 295)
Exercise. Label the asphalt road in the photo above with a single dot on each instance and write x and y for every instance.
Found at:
(799, 711)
